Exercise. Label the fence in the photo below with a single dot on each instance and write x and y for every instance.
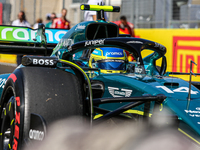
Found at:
(143, 13)
(162, 13)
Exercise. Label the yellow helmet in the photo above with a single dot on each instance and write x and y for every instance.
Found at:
(109, 60)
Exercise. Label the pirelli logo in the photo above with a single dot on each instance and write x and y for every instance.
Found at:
(186, 49)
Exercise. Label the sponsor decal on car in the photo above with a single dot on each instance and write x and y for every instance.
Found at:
(95, 42)
(97, 52)
(66, 42)
(180, 89)
(81, 27)
(36, 135)
(135, 42)
(193, 113)
(138, 69)
(115, 92)
(45, 62)
(113, 54)
(39, 61)
(2, 82)
(157, 45)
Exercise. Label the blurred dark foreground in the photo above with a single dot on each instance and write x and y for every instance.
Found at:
(71, 135)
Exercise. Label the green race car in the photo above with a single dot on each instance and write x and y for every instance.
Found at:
(87, 74)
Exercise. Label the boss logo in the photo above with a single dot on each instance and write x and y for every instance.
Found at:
(46, 62)
(39, 61)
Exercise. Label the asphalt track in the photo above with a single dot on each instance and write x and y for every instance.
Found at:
(7, 68)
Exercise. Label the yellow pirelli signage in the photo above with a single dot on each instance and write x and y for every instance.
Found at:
(182, 45)
(5, 58)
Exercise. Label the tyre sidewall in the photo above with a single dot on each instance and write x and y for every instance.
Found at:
(15, 83)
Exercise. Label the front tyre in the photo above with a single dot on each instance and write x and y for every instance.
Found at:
(51, 94)
(10, 118)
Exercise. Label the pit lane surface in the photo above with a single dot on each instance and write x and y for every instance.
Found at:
(7, 67)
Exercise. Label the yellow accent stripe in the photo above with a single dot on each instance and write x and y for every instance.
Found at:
(9, 146)
(136, 112)
(79, 68)
(161, 107)
(97, 116)
(128, 111)
(5, 112)
(9, 106)
(189, 136)
(100, 115)
(86, 77)
(12, 122)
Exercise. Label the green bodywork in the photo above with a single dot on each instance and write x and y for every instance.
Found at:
(152, 82)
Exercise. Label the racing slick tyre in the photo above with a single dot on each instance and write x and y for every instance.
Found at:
(51, 94)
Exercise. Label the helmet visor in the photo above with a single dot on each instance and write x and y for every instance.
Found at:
(111, 64)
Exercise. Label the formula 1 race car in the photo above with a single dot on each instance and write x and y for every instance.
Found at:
(87, 74)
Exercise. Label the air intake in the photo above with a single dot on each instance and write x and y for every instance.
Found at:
(101, 30)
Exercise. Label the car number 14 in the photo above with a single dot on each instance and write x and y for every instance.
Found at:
(180, 89)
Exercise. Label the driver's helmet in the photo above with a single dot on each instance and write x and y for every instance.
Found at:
(109, 60)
